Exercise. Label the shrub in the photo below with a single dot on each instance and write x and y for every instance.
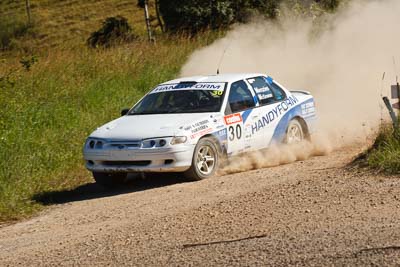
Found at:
(114, 30)
(384, 155)
(28, 62)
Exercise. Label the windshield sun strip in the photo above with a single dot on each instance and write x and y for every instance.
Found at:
(216, 109)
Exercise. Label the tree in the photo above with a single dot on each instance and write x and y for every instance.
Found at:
(329, 4)
(195, 15)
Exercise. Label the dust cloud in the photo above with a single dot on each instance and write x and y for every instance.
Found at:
(274, 156)
(341, 64)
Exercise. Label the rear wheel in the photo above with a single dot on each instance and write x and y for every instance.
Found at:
(294, 132)
(205, 160)
(109, 179)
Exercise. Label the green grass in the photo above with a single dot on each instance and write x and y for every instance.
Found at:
(48, 112)
(384, 155)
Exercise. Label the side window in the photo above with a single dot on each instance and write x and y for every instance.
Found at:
(278, 92)
(262, 90)
(240, 97)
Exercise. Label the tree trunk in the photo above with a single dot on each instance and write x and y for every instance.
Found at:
(160, 23)
(147, 18)
(28, 11)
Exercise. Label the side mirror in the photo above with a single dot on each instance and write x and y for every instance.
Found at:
(124, 111)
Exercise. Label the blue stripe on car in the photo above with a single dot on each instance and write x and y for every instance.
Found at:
(246, 114)
(222, 136)
(280, 129)
(255, 99)
(269, 80)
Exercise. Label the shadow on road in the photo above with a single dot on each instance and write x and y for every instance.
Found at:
(93, 190)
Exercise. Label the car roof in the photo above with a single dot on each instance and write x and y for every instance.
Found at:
(217, 78)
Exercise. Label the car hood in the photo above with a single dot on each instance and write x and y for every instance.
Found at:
(134, 127)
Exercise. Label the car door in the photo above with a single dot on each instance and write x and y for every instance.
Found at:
(241, 101)
(270, 111)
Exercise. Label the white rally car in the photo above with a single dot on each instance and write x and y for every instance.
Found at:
(188, 125)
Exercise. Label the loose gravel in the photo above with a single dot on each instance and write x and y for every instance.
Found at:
(315, 212)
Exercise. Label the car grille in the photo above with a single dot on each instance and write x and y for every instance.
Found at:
(125, 144)
(127, 163)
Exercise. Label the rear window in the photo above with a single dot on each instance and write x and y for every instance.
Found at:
(262, 90)
(278, 92)
(267, 90)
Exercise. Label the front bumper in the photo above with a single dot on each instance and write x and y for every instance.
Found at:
(171, 159)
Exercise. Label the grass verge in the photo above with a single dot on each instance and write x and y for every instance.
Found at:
(384, 155)
(48, 111)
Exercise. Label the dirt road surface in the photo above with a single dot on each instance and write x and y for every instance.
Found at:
(313, 212)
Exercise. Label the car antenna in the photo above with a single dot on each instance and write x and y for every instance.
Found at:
(223, 54)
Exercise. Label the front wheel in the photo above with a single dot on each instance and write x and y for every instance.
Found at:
(205, 160)
(109, 179)
(294, 132)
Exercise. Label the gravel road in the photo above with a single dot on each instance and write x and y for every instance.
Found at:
(313, 212)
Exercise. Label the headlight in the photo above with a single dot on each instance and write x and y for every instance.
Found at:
(178, 140)
(162, 142)
(94, 144)
(156, 142)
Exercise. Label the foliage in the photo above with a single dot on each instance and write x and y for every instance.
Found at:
(140, 3)
(114, 30)
(28, 61)
(196, 15)
(268, 8)
(328, 4)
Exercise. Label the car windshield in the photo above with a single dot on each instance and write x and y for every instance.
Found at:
(182, 98)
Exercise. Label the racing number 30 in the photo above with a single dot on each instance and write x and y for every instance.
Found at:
(235, 132)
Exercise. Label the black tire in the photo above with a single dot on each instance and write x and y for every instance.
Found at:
(109, 179)
(198, 170)
(294, 132)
